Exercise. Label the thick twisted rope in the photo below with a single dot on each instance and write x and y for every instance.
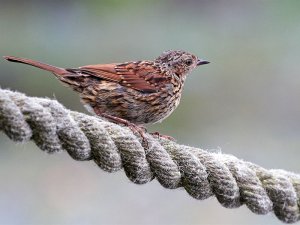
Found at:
(201, 173)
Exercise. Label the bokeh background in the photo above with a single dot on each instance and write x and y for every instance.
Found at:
(245, 103)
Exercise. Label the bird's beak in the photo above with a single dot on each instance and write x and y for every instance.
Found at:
(201, 62)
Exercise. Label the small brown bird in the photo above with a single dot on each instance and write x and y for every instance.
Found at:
(131, 93)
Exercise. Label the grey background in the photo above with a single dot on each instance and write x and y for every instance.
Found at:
(245, 103)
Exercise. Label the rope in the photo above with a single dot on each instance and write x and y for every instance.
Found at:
(201, 173)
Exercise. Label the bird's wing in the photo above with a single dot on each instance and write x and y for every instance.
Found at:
(141, 76)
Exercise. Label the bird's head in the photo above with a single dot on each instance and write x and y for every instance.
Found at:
(179, 62)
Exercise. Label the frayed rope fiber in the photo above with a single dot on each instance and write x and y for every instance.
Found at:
(201, 173)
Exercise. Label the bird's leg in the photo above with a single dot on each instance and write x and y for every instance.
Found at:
(133, 127)
(158, 135)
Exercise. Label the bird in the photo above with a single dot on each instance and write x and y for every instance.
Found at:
(134, 93)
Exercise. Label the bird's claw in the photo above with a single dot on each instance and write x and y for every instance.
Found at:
(158, 135)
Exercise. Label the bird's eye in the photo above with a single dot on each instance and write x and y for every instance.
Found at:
(188, 62)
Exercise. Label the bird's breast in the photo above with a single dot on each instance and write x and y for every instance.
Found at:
(165, 101)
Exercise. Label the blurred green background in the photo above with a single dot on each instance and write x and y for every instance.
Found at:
(245, 103)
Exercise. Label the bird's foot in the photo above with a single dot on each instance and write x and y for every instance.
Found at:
(133, 127)
(158, 135)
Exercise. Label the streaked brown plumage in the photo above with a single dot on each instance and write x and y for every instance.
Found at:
(138, 92)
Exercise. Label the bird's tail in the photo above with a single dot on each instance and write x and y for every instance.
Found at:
(43, 66)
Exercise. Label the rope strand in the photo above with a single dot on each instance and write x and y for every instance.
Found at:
(201, 173)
